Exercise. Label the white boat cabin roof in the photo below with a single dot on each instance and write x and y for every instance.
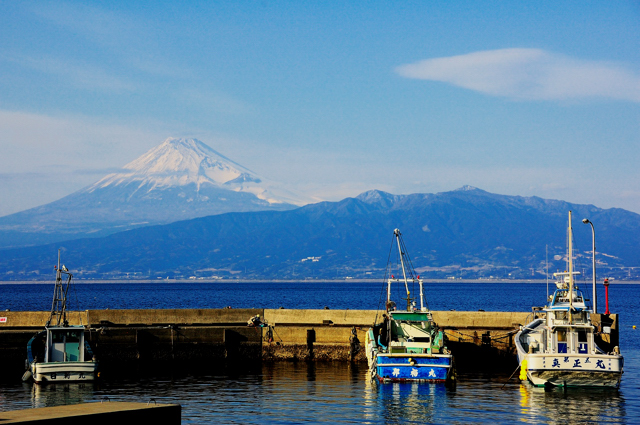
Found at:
(567, 296)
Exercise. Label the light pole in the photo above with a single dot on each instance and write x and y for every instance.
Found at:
(593, 251)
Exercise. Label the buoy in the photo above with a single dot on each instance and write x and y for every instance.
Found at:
(27, 375)
(634, 326)
(523, 370)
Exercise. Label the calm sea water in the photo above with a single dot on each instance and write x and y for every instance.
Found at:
(331, 392)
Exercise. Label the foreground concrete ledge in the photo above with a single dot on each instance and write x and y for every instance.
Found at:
(96, 413)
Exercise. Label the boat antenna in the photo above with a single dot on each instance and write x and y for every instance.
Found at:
(546, 252)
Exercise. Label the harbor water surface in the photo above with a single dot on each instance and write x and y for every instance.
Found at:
(332, 392)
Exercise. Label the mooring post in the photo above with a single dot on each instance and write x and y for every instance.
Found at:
(311, 338)
(354, 344)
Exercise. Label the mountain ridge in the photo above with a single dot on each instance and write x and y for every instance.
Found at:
(458, 233)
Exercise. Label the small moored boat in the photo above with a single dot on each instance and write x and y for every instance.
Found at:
(559, 347)
(407, 345)
(60, 353)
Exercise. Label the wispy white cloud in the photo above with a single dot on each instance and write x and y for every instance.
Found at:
(125, 38)
(84, 18)
(529, 74)
(75, 73)
(33, 142)
(46, 157)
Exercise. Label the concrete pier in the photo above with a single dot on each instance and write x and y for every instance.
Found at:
(479, 340)
(96, 413)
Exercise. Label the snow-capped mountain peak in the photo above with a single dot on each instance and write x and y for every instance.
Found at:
(180, 179)
(181, 162)
(177, 162)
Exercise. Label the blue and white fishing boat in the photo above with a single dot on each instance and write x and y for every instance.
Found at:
(407, 345)
(558, 348)
(60, 352)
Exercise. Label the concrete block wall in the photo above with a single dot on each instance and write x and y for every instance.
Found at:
(479, 319)
(172, 316)
(37, 319)
(321, 317)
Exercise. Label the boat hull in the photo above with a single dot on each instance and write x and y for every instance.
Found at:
(413, 367)
(64, 372)
(573, 370)
(563, 378)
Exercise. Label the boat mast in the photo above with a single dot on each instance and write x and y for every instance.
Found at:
(570, 270)
(404, 273)
(59, 304)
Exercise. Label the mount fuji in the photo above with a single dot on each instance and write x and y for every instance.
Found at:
(179, 179)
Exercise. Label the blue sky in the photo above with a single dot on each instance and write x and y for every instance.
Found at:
(329, 98)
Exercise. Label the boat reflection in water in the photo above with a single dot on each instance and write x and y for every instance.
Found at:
(572, 405)
(288, 392)
(59, 394)
(412, 402)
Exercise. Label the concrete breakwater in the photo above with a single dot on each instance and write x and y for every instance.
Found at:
(480, 341)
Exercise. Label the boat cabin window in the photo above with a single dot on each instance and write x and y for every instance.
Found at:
(73, 337)
(57, 337)
(582, 341)
(582, 335)
(562, 336)
(561, 297)
(581, 317)
(65, 336)
(65, 346)
(561, 315)
(562, 341)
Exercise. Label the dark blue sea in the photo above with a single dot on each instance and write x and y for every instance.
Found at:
(286, 393)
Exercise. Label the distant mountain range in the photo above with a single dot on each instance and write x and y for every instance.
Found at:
(463, 233)
(177, 180)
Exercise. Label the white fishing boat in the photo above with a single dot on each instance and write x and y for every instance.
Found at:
(60, 353)
(407, 345)
(558, 347)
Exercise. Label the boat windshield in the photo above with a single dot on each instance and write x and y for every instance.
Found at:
(410, 317)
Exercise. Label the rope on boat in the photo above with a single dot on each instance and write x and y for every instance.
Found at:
(514, 372)
(467, 337)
